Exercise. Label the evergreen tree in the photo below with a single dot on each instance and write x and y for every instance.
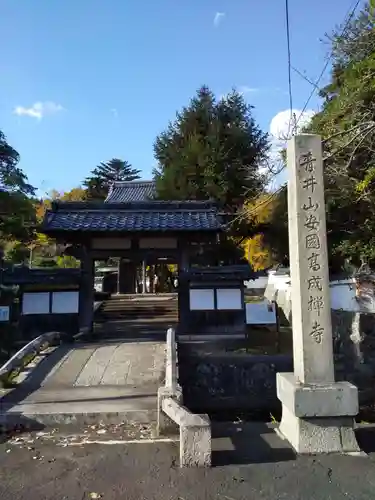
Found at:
(99, 182)
(212, 150)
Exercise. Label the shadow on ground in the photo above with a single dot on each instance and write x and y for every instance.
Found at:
(16, 425)
(248, 443)
(366, 438)
(12, 424)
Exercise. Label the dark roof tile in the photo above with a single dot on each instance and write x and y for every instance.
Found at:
(154, 216)
(125, 192)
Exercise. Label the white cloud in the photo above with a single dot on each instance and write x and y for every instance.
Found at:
(39, 109)
(218, 18)
(244, 89)
(281, 128)
(282, 124)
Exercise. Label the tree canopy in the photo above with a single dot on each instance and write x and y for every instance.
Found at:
(98, 183)
(16, 204)
(346, 123)
(212, 150)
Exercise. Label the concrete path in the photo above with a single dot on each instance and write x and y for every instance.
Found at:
(87, 382)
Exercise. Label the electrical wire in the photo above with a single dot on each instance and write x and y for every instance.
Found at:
(290, 90)
(349, 16)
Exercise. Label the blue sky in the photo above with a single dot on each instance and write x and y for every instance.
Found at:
(84, 81)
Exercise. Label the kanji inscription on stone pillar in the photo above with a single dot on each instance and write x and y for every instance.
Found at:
(311, 309)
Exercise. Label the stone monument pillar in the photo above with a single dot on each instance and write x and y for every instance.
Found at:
(318, 413)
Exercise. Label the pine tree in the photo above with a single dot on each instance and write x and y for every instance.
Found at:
(98, 183)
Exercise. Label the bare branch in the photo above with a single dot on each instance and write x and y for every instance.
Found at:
(347, 144)
(344, 132)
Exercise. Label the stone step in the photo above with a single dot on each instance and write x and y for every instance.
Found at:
(136, 320)
(80, 406)
(137, 312)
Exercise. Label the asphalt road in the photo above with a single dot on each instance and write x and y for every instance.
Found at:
(38, 467)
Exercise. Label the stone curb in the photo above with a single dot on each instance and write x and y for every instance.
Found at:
(25, 355)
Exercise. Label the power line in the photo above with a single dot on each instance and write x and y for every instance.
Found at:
(289, 64)
(349, 15)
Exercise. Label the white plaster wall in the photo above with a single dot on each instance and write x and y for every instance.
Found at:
(38, 302)
(259, 283)
(229, 299)
(279, 281)
(35, 303)
(202, 300)
(65, 302)
(343, 294)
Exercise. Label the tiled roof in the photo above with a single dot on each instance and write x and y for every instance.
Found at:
(132, 191)
(131, 217)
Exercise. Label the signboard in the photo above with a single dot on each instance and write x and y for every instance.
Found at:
(4, 313)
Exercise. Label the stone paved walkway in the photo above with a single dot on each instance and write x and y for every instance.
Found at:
(88, 381)
(128, 363)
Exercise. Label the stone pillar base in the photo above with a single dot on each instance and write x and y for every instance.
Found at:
(165, 425)
(195, 445)
(318, 418)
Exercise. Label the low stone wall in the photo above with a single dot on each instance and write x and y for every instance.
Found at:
(216, 381)
(194, 430)
(26, 354)
(354, 351)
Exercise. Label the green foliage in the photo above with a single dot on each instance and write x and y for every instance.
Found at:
(67, 261)
(16, 252)
(16, 207)
(102, 177)
(212, 151)
(346, 123)
(12, 179)
(17, 216)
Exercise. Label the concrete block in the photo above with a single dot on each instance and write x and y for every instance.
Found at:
(318, 418)
(195, 445)
(319, 435)
(195, 430)
(165, 425)
(337, 399)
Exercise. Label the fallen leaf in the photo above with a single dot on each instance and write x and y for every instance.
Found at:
(101, 431)
(94, 495)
